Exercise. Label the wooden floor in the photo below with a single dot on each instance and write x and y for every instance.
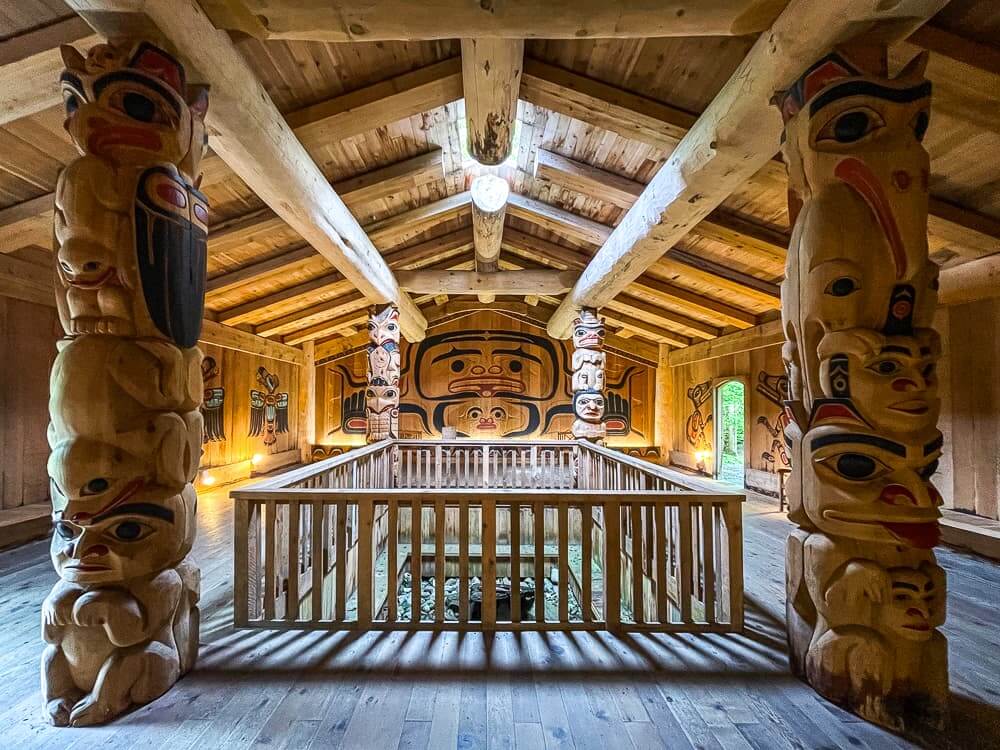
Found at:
(298, 690)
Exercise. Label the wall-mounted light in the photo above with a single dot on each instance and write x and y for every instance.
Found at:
(207, 479)
(257, 458)
(701, 457)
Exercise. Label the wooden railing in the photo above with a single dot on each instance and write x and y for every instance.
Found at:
(515, 536)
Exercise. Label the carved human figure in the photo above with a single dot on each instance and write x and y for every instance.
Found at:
(588, 376)
(382, 394)
(121, 625)
(130, 224)
(864, 592)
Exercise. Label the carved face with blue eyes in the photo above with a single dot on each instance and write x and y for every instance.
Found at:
(114, 532)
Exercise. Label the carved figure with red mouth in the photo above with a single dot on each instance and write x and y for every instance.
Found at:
(125, 429)
(382, 394)
(857, 306)
(588, 376)
(130, 225)
(487, 419)
(121, 626)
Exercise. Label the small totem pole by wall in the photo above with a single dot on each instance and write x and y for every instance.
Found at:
(268, 408)
(121, 625)
(382, 394)
(865, 594)
(588, 376)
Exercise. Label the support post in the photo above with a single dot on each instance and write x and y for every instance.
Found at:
(588, 376)
(121, 625)
(489, 207)
(382, 394)
(865, 594)
(307, 391)
(491, 80)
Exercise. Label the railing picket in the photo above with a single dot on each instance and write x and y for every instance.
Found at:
(463, 561)
(241, 563)
(489, 561)
(515, 562)
(316, 559)
(270, 522)
(563, 537)
(662, 597)
(587, 561)
(366, 515)
(340, 548)
(292, 603)
(708, 555)
(539, 519)
(686, 566)
(638, 595)
(733, 515)
(439, 559)
(392, 559)
(612, 565)
(416, 558)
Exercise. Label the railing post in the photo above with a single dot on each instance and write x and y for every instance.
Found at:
(486, 465)
(241, 563)
(364, 573)
(733, 513)
(489, 561)
(612, 566)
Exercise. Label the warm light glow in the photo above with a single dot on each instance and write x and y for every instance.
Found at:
(490, 192)
(702, 456)
(207, 479)
(257, 458)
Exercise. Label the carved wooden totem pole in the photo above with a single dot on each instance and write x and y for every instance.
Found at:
(865, 594)
(382, 394)
(588, 376)
(130, 234)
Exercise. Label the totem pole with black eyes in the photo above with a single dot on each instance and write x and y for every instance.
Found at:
(382, 394)
(588, 376)
(865, 595)
(121, 625)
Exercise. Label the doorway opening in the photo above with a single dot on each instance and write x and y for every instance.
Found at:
(730, 398)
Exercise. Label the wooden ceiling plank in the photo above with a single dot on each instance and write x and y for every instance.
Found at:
(765, 334)
(985, 57)
(392, 231)
(558, 220)
(30, 282)
(533, 282)
(381, 20)
(30, 65)
(491, 79)
(736, 135)
(286, 261)
(234, 338)
(254, 139)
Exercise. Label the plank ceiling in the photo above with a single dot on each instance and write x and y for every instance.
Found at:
(264, 280)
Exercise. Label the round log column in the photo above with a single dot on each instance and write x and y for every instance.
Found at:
(489, 207)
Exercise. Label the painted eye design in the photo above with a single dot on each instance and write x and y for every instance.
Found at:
(497, 413)
(843, 286)
(851, 126)
(457, 365)
(95, 487)
(856, 467)
(885, 367)
(131, 531)
(475, 413)
(66, 531)
(71, 102)
(919, 124)
(516, 365)
(928, 471)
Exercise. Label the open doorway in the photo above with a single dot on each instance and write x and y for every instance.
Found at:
(730, 447)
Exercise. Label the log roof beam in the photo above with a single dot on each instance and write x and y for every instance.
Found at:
(734, 137)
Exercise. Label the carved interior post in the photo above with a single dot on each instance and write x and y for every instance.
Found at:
(382, 394)
(865, 594)
(588, 376)
(130, 232)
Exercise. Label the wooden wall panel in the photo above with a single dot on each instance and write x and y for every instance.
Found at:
(28, 335)
(692, 406)
(490, 377)
(237, 376)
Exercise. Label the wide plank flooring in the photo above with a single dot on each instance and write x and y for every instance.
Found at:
(450, 690)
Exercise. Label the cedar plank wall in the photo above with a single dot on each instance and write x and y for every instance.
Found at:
(28, 335)
(238, 375)
(969, 383)
(747, 367)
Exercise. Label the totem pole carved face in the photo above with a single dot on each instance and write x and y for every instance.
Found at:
(588, 376)
(383, 326)
(588, 330)
(104, 538)
(855, 158)
(130, 225)
(589, 406)
(917, 604)
(890, 380)
(861, 485)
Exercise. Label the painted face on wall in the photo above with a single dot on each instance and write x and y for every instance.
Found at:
(470, 364)
(115, 534)
(588, 330)
(487, 418)
(861, 485)
(890, 380)
(589, 406)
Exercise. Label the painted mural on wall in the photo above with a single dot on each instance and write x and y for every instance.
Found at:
(268, 408)
(490, 377)
(213, 428)
(774, 387)
(699, 421)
